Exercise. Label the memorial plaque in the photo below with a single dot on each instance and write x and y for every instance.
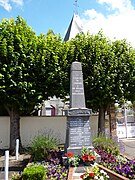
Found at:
(78, 132)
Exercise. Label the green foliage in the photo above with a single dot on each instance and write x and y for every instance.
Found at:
(41, 145)
(34, 172)
(85, 150)
(95, 53)
(29, 65)
(125, 68)
(31, 69)
(18, 46)
(51, 62)
(108, 70)
(106, 144)
(74, 161)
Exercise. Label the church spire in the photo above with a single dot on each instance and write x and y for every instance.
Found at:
(75, 26)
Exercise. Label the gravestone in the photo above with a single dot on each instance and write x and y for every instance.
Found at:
(78, 125)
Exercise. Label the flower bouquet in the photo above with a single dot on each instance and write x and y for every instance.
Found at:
(88, 156)
(94, 172)
(73, 160)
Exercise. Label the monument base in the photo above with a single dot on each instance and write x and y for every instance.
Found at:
(78, 133)
(77, 150)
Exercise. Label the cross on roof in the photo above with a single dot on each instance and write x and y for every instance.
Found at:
(76, 6)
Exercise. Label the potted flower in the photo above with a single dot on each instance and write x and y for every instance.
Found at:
(72, 160)
(94, 172)
(87, 156)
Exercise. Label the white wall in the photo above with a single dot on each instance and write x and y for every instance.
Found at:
(4, 132)
(35, 125)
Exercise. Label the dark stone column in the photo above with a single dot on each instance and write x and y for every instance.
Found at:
(78, 126)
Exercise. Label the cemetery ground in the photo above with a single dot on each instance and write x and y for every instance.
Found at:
(17, 166)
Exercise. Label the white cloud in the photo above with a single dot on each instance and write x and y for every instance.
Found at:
(120, 5)
(117, 24)
(7, 4)
(18, 2)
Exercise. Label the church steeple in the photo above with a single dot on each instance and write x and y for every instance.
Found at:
(74, 28)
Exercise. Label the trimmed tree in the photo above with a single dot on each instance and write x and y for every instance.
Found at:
(29, 70)
(17, 48)
(125, 67)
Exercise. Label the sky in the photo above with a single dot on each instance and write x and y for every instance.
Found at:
(115, 17)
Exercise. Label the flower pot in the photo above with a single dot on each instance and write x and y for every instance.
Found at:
(88, 163)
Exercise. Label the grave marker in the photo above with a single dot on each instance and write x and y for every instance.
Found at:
(78, 126)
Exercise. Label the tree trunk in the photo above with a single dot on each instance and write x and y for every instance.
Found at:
(14, 128)
(101, 120)
(112, 121)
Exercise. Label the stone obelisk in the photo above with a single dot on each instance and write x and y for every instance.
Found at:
(78, 125)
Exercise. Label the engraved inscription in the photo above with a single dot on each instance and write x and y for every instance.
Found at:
(78, 85)
(79, 132)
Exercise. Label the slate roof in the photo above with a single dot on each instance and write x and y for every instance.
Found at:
(74, 28)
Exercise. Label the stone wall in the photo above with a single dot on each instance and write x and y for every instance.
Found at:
(35, 125)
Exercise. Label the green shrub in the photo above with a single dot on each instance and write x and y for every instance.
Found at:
(34, 172)
(106, 144)
(41, 145)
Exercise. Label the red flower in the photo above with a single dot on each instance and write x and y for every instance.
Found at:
(65, 154)
(88, 158)
(69, 154)
(81, 176)
(91, 174)
(92, 158)
(85, 157)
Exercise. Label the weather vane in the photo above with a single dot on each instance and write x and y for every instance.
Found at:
(76, 6)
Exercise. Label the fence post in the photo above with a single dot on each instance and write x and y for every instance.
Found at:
(17, 148)
(6, 164)
(125, 117)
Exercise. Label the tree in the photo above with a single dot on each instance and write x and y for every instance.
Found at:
(17, 48)
(125, 67)
(29, 70)
(94, 51)
(103, 75)
(52, 57)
